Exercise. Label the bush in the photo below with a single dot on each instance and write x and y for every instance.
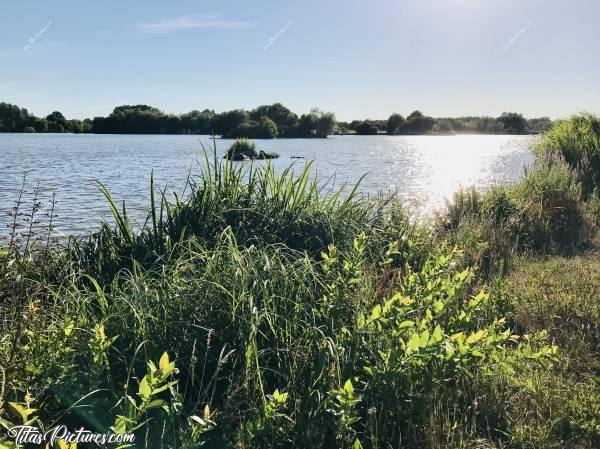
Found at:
(465, 204)
(544, 212)
(577, 142)
(29, 129)
(552, 211)
(242, 148)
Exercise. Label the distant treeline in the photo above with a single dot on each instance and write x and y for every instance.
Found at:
(263, 122)
(418, 123)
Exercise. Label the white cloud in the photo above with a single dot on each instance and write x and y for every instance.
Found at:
(187, 23)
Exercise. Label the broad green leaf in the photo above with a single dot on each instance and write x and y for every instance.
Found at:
(144, 390)
(475, 337)
(163, 364)
(436, 336)
(349, 388)
(414, 342)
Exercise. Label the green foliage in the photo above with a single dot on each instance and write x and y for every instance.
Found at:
(395, 124)
(562, 295)
(557, 408)
(544, 212)
(263, 122)
(552, 209)
(418, 123)
(265, 128)
(577, 142)
(513, 123)
(242, 148)
(466, 204)
(283, 118)
(367, 128)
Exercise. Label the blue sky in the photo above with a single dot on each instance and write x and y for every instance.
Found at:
(359, 59)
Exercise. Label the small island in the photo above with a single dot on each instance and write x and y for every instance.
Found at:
(244, 149)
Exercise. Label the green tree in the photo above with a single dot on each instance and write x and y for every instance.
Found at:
(196, 122)
(325, 123)
(513, 122)
(418, 123)
(395, 124)
(366, 128)
(12, 118)
(227, 121)
(266, 129)
(278, 113)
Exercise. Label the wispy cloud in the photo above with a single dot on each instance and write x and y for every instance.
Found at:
(188, 23)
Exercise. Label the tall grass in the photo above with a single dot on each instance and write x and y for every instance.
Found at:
(577, 141)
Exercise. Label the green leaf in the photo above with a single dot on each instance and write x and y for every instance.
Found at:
(144, 390)
(163, 364)
(475, 337)
(349, 388)
(436, 336)
(357, 445)
(164, 387)
(156, 403)
(23, 412)
(405, 324)
(414, 342)
(69, 326)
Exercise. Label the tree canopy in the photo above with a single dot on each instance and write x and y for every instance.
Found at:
(262, 122)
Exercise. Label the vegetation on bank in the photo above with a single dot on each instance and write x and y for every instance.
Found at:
(259, 311)
(263, 122)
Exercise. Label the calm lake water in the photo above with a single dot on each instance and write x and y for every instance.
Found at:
(422, 169)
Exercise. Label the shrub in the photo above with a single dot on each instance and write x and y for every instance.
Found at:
(544, 212)
(499, 205)
(465, 204)
(29, 129)
(241, 148)
(577, 142)
(552, 216)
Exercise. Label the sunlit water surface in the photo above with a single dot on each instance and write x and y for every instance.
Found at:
(423, 170)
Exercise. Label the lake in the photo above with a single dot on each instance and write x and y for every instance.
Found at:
(423, 170)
